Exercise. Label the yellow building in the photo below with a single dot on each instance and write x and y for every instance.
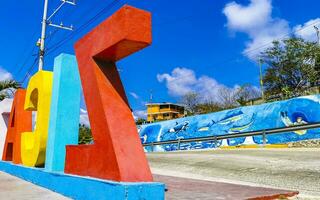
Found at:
(164, 111)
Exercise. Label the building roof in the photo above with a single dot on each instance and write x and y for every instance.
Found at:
(156, 113)
(165, 103)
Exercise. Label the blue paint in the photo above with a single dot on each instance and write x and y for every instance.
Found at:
(301, 110)
(64, 111)
(83, 188)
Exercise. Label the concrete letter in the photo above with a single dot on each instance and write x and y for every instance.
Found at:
(38, 98)
(19, 121)
(64, 111)
(117, 153)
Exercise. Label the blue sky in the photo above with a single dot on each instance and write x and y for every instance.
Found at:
(197, 45)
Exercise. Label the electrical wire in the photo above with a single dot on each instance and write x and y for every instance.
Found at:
(82, 27)
(72, 35)
(112, 4)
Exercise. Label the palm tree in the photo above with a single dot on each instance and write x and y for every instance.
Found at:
(8, 85)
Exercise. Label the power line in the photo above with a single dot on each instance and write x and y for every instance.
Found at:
(82, 27)
(251, 51)
(28, 55)
(26, 60)
(63, 41)
(60, 43)
(27, 76)
(46, 21)
(31, 53)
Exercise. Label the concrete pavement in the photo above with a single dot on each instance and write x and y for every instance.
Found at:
(12, 188)
(291, 169)
(286, 169)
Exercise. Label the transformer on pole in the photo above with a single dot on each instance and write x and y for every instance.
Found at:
(47, 21)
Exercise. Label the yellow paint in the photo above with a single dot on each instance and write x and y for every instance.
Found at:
(38, 98)
(302, 132)
(252, 146)
(164, 111)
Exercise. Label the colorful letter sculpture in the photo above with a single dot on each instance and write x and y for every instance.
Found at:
(5, 107)
(117, 153)
(38, 98)
(64, 111)
(19, 121)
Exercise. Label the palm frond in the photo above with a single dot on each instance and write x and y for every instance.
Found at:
(9, 84)
(3, 96)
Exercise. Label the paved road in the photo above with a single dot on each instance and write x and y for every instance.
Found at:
(293, 169)
(190, 189)
(12, 188)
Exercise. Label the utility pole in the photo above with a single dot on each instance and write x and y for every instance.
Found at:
(46, 21)
(43, 35)
(318, 34)
(317, 62)
(151, 96)
(261, 79)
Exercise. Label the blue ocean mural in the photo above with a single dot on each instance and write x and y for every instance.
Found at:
(296, 111)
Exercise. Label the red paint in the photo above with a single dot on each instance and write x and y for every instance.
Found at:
(117, 153)
(19, 121)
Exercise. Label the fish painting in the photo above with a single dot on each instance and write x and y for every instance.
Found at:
(231, 117)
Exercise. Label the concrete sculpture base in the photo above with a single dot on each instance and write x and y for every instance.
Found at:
(77, 187)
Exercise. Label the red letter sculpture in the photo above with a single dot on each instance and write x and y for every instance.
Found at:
(117, 153)
(19, 121)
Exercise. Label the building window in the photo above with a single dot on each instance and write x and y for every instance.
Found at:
(164, 106)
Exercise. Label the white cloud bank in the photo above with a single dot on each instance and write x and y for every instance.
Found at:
(255, 20)
(139, 114)
(4, 75)
(182, 81)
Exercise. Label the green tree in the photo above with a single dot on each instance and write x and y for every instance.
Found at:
(140, 121)
(191, 100)
(208, 107)
(85, 135)
(6, 87)
(245, 93)
(292, 66)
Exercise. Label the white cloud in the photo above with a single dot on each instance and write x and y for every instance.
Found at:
(243, 18)
(134, 95)
(4, 75)
(182, 81)
(84, 119)
(139, 114)
(257, 22)
(307, 31)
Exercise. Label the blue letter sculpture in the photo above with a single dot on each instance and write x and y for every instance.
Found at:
(64, 114)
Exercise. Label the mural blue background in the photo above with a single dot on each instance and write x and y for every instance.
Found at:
(296, 111)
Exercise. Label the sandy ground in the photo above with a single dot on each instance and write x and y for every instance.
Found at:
(12, 188)
(293, 169)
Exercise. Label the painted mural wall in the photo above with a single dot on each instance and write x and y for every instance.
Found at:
(296, 111)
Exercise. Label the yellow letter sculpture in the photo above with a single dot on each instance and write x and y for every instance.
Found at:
(38, 98)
